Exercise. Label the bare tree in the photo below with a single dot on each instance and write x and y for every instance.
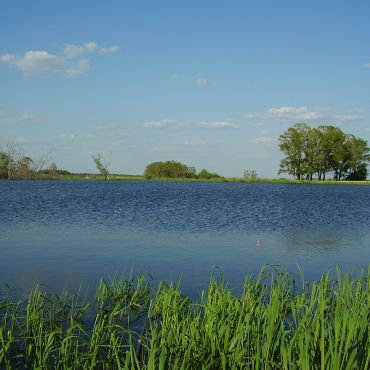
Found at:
(13, 155)
(15, 165)
(52, 171)
(40, 163)
(102, 165)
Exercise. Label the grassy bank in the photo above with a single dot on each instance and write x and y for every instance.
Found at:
(271, 324)
(79, 176)
(291, 181)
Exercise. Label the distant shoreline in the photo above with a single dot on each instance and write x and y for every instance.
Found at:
(123, 177)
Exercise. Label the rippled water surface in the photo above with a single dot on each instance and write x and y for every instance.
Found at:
(71, 232)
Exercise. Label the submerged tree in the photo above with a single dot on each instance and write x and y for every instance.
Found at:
(15, 165)
(102, 165)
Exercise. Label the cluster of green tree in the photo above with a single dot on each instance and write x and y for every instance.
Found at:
(323, 150)
(173, 169)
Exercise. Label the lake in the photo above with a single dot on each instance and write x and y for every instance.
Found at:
(67, 233)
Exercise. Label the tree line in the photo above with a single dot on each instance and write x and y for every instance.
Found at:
(321, 151)
(308, 152)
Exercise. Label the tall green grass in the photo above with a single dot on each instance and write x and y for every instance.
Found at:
(273, 323)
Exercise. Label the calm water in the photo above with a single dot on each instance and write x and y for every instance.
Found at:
(71, 232)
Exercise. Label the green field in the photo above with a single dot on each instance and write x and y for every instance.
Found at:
(274, 322)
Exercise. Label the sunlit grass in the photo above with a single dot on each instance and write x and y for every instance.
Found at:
(274, 322)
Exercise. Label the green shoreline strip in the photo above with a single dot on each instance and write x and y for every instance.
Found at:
(273, 323)
(115, 177)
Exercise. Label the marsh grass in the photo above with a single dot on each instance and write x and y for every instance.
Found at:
(273, 323)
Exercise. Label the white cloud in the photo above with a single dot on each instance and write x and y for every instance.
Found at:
(7, 58)
(366, 65)
(262, 140)
(109, 50)
(169, 123)
(202, 82)
(36, 63)
(81, 66)
(300, 113)
(291, 114)
(74, 51)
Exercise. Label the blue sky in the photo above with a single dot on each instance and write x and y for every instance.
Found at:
(210, 83)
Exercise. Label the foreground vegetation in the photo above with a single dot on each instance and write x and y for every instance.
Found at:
(272, 323)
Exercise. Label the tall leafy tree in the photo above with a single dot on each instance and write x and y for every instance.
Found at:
(293, 144)
(359, 157)
(313, 153)
(308, 151)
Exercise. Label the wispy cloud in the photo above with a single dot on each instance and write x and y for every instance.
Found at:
(20, 140)
(173, 124)
(109, 50)
(366, 65)
(218, 124)
(72, 51)
(195, 142)
(292, 114)
(262, 140)
(75, 136)
(165, 123)
(70, 64)
(77, 68)
(201, 82)
(8, 118)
